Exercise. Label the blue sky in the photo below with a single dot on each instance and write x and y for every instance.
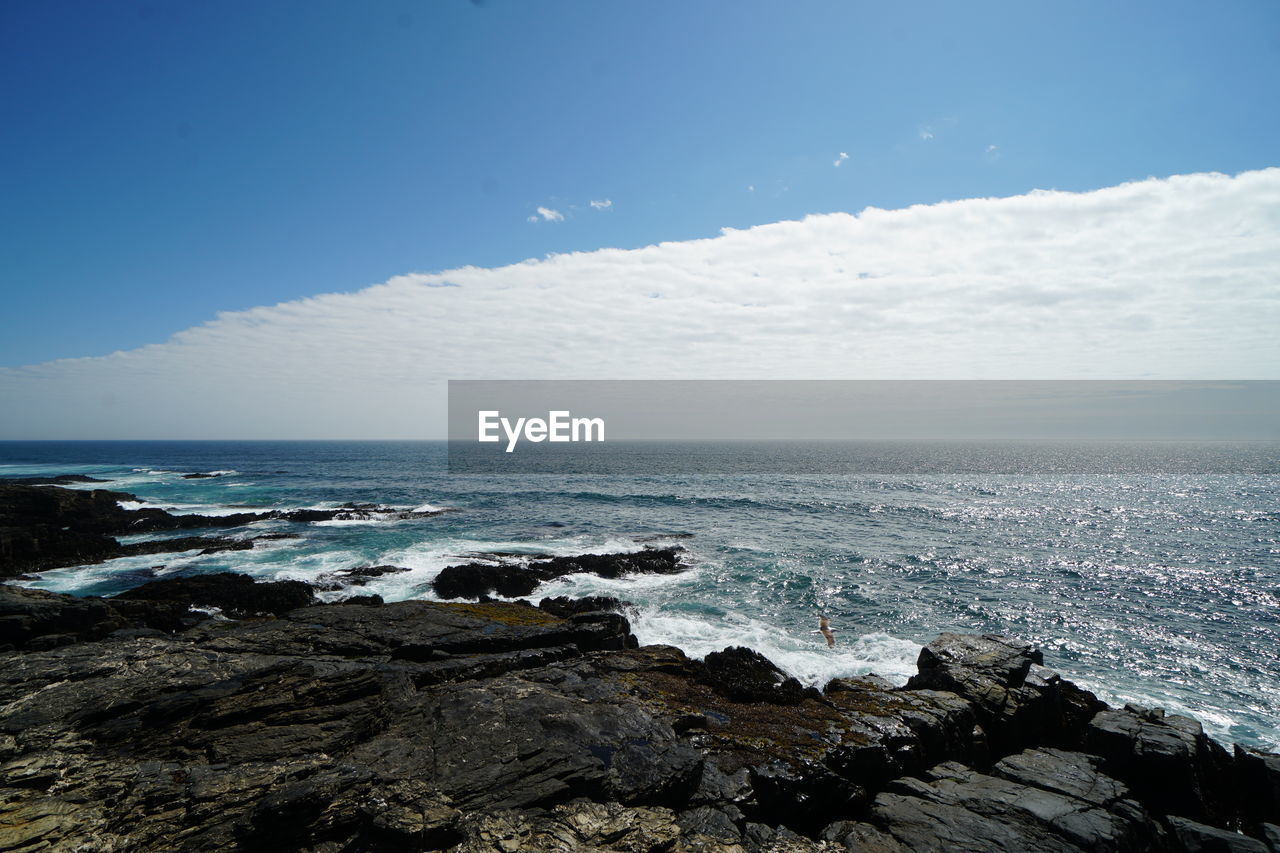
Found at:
(163, 162)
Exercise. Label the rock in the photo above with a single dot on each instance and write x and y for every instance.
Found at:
(956, 808)
(46, 527)
(199, 476)
(1018, 702)
(204, 544)
(500, 726)
(1192, 837)
(748, 676)
(1168, 761)
(50, 481)
(357, 576)
(564, 606)
(365, 600)
(516, 579)
(234, 594)
(31, 618)
(1258, 785)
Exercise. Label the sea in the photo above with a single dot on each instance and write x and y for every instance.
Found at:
(1148, 572)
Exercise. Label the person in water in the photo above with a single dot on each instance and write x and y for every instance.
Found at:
(824, 628)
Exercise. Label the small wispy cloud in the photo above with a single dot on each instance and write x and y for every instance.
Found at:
(602, 205)
(926, 133)
(843, 156)
(547, 214)
(751, 188)
(991, 149)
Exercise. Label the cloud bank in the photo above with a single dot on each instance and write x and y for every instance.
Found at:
(1162, 278)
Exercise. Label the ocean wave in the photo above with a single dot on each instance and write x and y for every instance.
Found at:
(804, 656)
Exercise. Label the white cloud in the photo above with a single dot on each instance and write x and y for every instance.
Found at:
(548, 215)
(843, 156)
(602, 205)
(926, 134)
(991, 149)
(1161, 278)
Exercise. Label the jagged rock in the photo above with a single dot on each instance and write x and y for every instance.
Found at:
(234, 594)
(1168, 761)
(1017, 700)
(515, 580)
(898, 733)
(200, 476)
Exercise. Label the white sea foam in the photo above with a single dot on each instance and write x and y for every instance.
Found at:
(189, 509)
(804, 656)
(354, 522)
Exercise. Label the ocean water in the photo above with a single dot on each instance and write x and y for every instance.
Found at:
(1149, 573)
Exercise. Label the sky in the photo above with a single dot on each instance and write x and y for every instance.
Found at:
(299, 219)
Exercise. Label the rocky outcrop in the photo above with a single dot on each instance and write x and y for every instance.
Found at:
(515, 577)
(502, 726)
(47, 527)
(234, 594)
(564, 606)
(53, 480)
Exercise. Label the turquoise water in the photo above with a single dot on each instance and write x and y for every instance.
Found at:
(1149, 573)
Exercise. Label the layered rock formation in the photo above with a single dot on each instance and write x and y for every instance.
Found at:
(138, 724)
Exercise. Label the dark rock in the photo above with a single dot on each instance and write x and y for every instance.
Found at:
(46, 527)
(746, 675)
(500, 726)
(1258, 785)
(365, 600)
(956, 808)
(361, 575)
(1018, 702)
(234, 594)
(205, 544)
(1168, 761)
(51, 480)
(564, 606)
(515, 580)
(29, 616)
(1192, 837)
(199, 476)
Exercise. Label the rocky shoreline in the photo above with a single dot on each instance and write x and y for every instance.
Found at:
(215, 713)
(44, 526)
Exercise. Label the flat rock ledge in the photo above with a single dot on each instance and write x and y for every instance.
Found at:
(138, 724)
